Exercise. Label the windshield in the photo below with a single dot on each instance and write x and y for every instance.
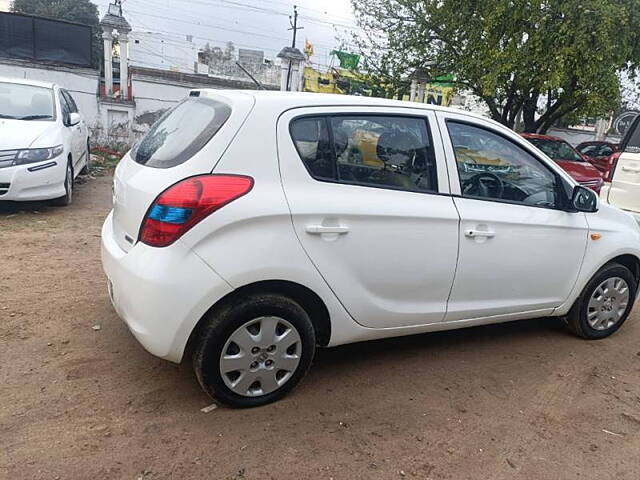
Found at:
(26, 102)
(557, 149)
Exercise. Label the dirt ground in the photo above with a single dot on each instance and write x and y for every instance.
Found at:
(522, 400)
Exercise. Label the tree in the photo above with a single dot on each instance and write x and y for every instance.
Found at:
(546, 59)
(79, 11)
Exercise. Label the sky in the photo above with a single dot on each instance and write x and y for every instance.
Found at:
(256, 24)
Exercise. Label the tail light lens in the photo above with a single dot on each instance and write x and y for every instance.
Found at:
(613, 159)
(183, 205)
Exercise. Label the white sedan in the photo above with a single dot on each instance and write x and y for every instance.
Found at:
(44, 142)
(254, 226)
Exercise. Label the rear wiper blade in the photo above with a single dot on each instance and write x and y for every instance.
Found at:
(34, 117)
(2, 115)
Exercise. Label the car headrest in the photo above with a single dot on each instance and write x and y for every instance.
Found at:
(397, 148)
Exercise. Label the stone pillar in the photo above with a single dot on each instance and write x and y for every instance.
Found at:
(291, 59)
(414, 87)
(284, 74)
(421, 91)
(107, 36)
(123, 39)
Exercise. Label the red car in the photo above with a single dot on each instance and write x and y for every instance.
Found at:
(602, 155)
(569, 160)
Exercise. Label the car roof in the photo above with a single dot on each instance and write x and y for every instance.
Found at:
(288, 100)
(24, 81)
(598, 142)
(538, 136)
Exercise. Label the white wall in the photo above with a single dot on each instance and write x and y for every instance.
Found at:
(155, 50)
(82, 83)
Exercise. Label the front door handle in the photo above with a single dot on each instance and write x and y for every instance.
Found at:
(479, 233)
(629, 169)
(320, 229)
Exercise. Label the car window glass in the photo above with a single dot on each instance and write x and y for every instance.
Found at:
(605, 151)
(589, 150)
(64, 108)
(379, 151)
(73, 108)
(492, 167)
(557, 149)
(181, 132)
(631, 142)
(384, 151)
(311, 139)
(26, 102)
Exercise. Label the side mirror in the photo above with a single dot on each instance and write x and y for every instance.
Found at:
(74, 119)
(584, 199)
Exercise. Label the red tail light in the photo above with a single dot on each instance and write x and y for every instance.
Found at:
(183, 205)
(613, 159)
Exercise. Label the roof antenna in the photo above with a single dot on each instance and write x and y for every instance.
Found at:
(258, 84)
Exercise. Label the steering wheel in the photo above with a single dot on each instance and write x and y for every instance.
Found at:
(483, 183)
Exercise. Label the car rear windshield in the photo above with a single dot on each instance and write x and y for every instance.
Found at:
(631, 141)
(26, 102)
(557, 149)
(181, 132)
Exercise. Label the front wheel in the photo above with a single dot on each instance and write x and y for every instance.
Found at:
(253, 351)
(605, 303)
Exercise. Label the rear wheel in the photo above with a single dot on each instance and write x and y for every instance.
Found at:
(253, 351)
(67, 198)
(605, 303)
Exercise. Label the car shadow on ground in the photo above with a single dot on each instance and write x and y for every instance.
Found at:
(479, 339)
(11, 208)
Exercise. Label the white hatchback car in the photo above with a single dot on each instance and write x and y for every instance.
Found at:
(253, 226)
(44, 142)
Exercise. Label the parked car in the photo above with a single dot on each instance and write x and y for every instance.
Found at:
(44, 142)
(602, 155)
(569, 159)
(247, 226)
(624, 189)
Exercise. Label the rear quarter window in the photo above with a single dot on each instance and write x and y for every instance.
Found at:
(181, 132)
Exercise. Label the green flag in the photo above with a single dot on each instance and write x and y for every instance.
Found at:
(348, 60)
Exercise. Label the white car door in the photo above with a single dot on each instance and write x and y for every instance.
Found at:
(368, 193)
(76, 132)
(625, 182)
(520, 251)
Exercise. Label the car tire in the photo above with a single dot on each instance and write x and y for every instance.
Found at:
(268, 337)
(87, 167)
(67, 198)
(605, 303)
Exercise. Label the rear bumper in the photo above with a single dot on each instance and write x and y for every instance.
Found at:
(36, 181)
(160, 293)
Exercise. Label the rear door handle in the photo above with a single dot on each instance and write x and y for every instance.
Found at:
(320, 229)
(479, 233)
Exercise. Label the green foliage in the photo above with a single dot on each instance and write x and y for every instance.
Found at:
(545, 58)
(78, 11)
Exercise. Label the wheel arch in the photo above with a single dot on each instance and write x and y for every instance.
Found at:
(627, 260)
(307, 298)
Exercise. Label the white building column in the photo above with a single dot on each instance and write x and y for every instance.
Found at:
(414, 87)
(107, 36)
(421, 91)
(123, 39)
(284, 73)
